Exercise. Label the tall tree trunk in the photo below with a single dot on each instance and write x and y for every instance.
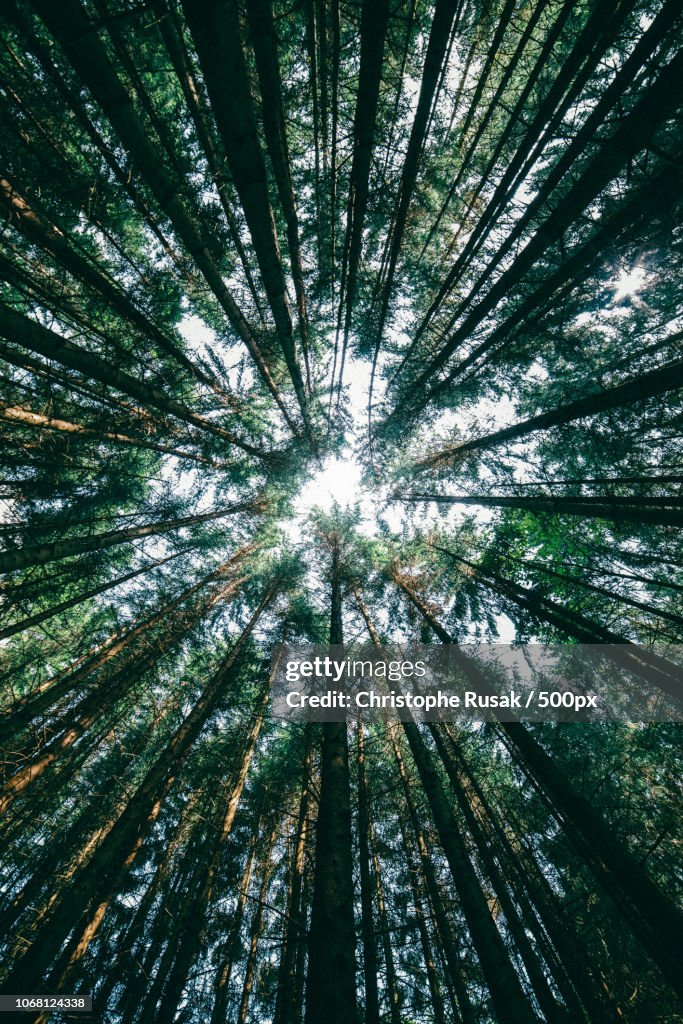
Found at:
(633, 133)
(637, 389)
(444, 927)
(104, 696)
(175, 45)
(41, 554)
(367, 921)
(393, 992)
(53, 241)
(264, 42)
(255, 934)
(215, 28)
(230, 952)
(47, 960)
(531, 884)
(69, 25)
(26, 709)
(638, 510)
(33, 336)
(193, 937)
(535, 968)
(373, 29)
(433, 981)
(25, 417)
(34, 620)
(444, 14)
(509, 1000)
(331, 979)
(654, 918)
(287, 1009)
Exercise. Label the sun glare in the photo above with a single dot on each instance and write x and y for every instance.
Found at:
(338, 483)
(629, 282)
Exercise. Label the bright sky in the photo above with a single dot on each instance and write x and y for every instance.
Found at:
(339, 480)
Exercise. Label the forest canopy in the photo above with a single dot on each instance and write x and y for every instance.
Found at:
(327, 321)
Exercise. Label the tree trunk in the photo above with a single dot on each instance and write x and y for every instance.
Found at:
(255, 934)
(287, 1009)
(444, 928)
(68, 26)
(264, 42)
(104, 696)
(633, 132)
(638, 510)
(232, 941)
(535, 968)
(509, 1000)
(646, 385)
(654, 918)
(215, 28)
(433, 981)
(658, 671)
(367, 922)
(78, 915)
(41, 554)
(53, 241)
(532, 884)
(72, 602)
(331, 979)
(24, 417)
(33, 336)
(393, 993)
(193, 937)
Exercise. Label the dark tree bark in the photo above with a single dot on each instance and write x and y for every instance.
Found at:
(31, 335)
(655, 382)
(366, 887)
(287, 1009)
(509, 1000)
(41, 554)
(47, 961)
(215, 28)
(331, 979)
(639, 510)
(35, 619)
(651, 914)
(68, 26)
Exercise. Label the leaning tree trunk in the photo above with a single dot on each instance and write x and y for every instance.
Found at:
(72, 602)
(69, 25)
(393, 992)
(42, 554)
(508, 998)
(255, 933)
(32, 335)
(637, 389)
(535, 967)
(445, 931)
(655, 920)
(21, 416)
(642, 511)
(656, 670)
(215, 28)
(49, 959)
